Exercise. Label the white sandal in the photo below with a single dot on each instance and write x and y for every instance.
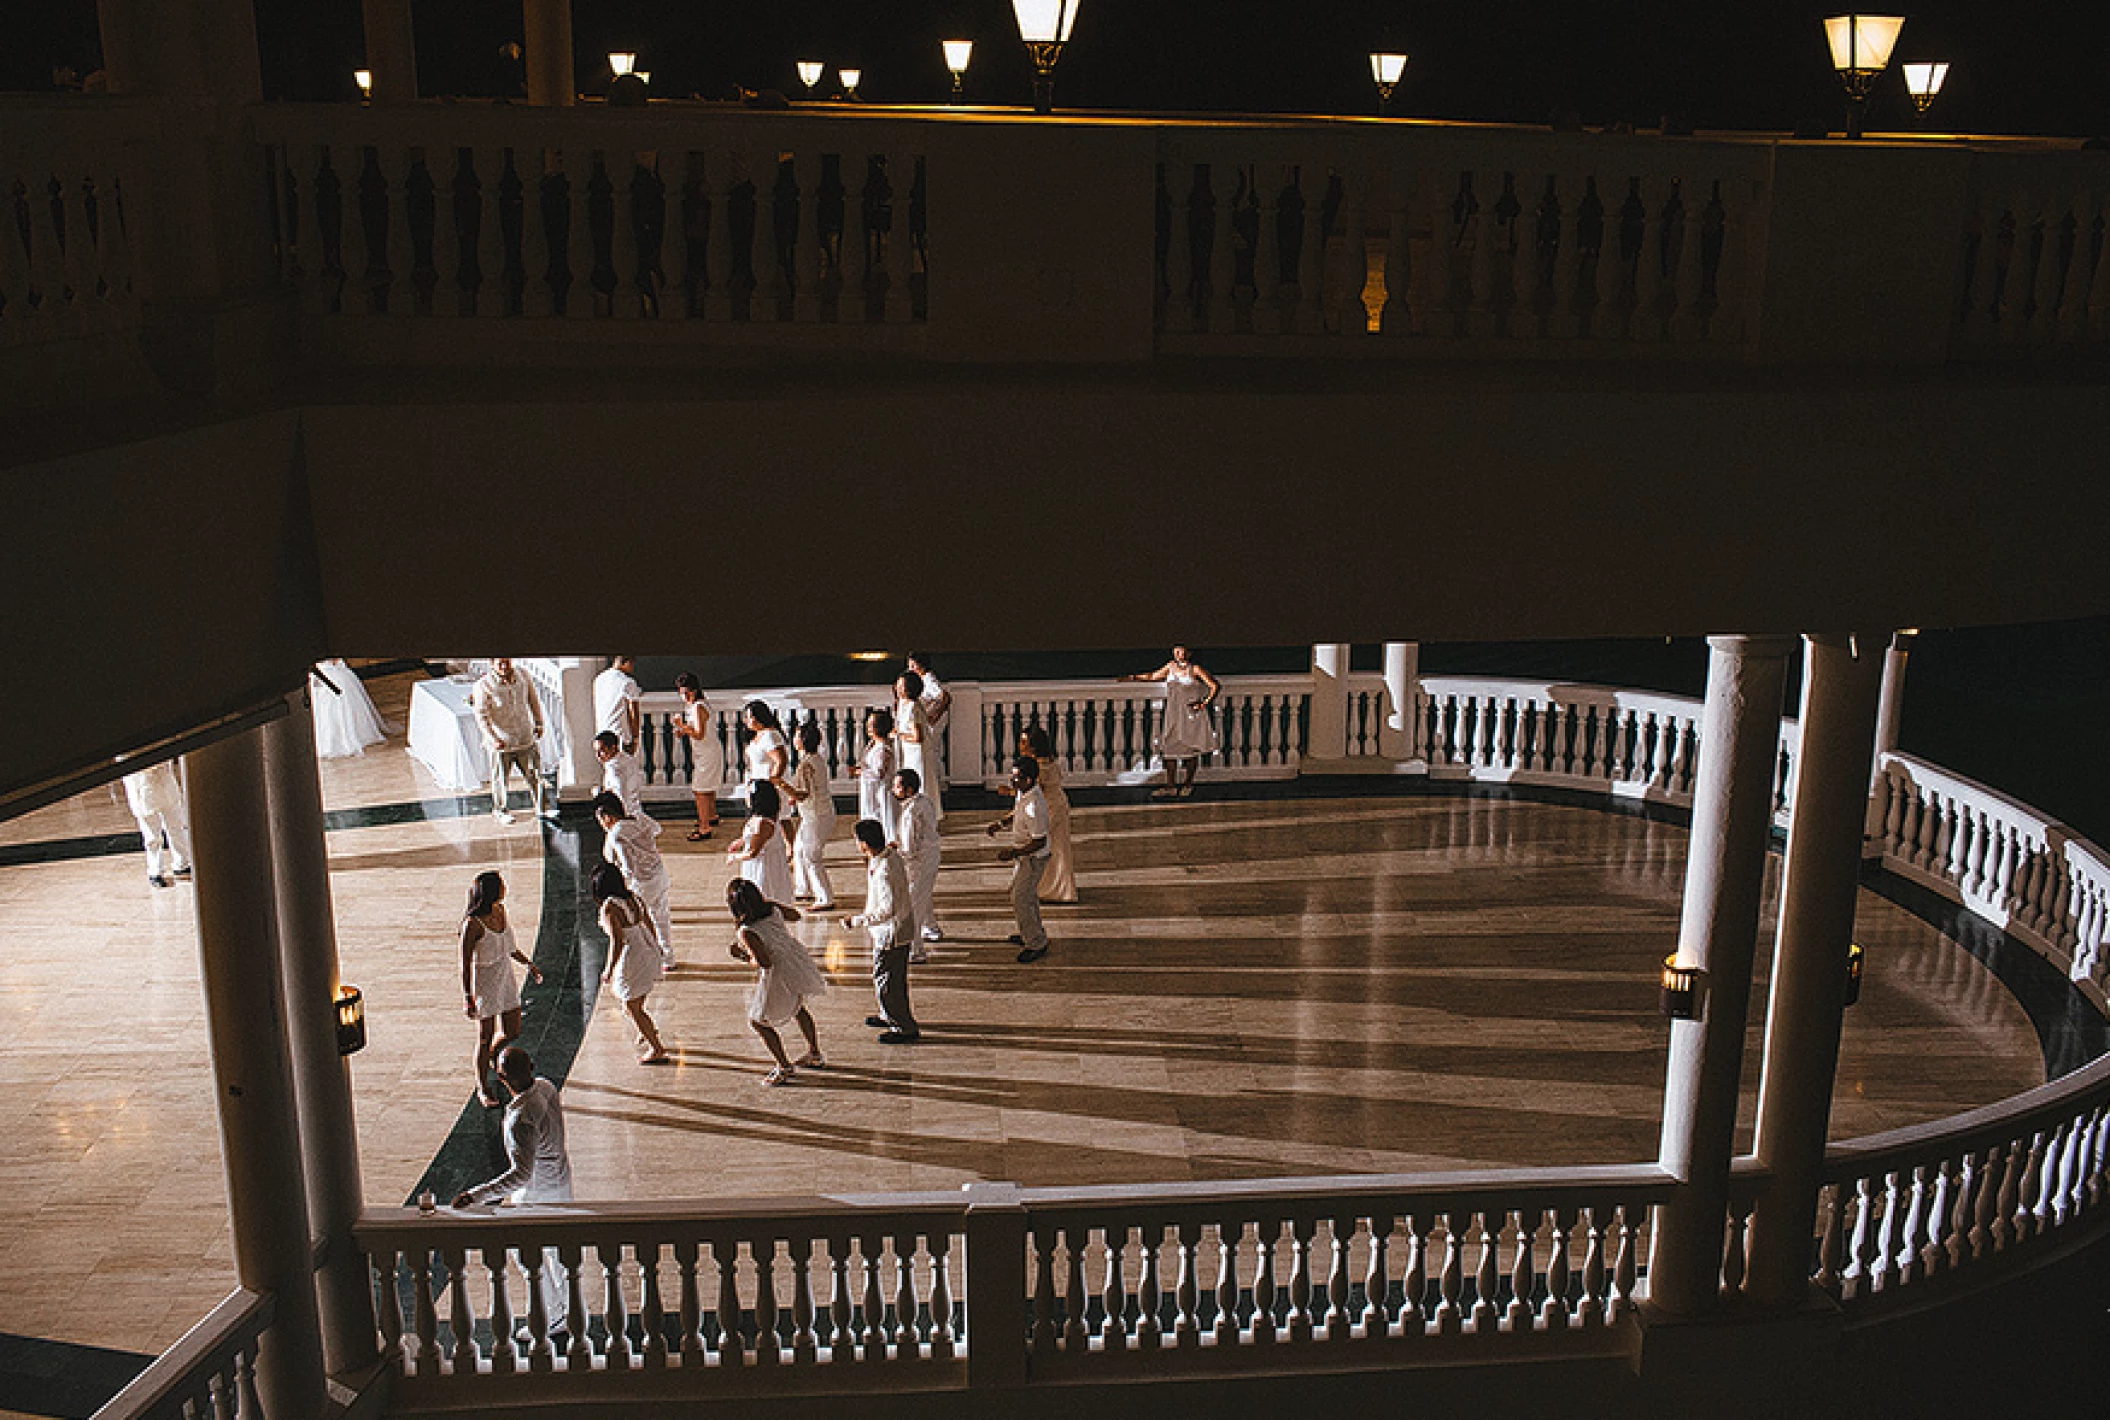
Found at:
(781, 1075)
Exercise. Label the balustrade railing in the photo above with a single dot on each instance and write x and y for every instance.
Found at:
(211, 1371)
(2035, 274)
(1629, 743)
(67, 263)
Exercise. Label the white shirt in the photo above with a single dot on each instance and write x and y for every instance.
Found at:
(811, 779)
(933, 689)
(631, 847)
(507, 711)
(918, 831)
(534, 1138)
(614, 692)
(624, 777)
(888, 911)
(154, 790)
(1030, 821)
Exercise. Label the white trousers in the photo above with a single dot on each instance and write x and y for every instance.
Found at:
(809, 874)
(923, 888)
(657, 893)
(151, 828)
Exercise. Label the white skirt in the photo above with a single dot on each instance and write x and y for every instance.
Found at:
(709, 765)
(497, 988)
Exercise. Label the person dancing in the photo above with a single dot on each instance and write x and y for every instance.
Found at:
(1187, 732)
(788, 980)
(808, 788)
(635, 962)
(1060, 883)
(759, 856)
(875, 772)
(916, 742)
(490, 992)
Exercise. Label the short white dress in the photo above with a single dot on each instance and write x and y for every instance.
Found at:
(770, 870)
(1187, 731)
(789, 980)
(706, 755)
(758, 751)
(346, 721)
(641, 964)
(497, 988)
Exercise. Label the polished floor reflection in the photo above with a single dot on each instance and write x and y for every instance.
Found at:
(1249, 987)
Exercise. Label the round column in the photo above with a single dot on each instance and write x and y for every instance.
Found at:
(1329, 702)
(391, 50)
(322, 1078)
(1399, 738)
(1890, 714)
(1725, 870)
(237, 914)
(549, 69)
(1820, 883)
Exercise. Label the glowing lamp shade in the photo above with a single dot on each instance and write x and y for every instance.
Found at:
(364, 78)
(1386, 68)
(644, 76)
(1045, 21)
(849, 78)
(957, 53)
(1854, 958)
(621, 62)
(810, 71)
(351, 1021)
(1681, 990)
(1924, 81)
(1861, 44)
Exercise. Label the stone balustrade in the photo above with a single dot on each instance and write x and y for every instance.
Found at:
(68, 174)
(210, 1371)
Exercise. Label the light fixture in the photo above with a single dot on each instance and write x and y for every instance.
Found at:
(957, 53)
(1924, 81)
(1385, 68)
(810, 72)
(869, 655)
(643, 76)
(1681, 990)
(351, 1021)
(849, 78)
(1854, 956)
(364, 78)
(1045, 26)
(621, 62)
(1861, 46)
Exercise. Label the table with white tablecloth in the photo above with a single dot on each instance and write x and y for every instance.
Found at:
(445, 739)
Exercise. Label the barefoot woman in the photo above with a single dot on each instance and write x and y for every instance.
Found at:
(490, 992)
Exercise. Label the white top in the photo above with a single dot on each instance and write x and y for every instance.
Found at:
(624, 777)
(613, 694)
(878, 762)
(811, 779)
(910, 715)
(1030, 821)
(534, 1138)
(918, 828)
(888, 909)
(507, 711)
(933, 688)
(154, 790)
(758, 752)
(632, 847)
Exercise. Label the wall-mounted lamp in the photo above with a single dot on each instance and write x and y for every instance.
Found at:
(850, 78)
(351, 1021)
(957, 53)
(1681, 990)
(1854, 957)
(1860, 46)
(1923, 82)
(1045, 26)
(621, 62)
(1385, 68)
(364, 78)
(810, 72)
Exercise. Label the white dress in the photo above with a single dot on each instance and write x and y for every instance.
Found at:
(346, 721)
(789, 979)
(497, 989)
(706, 755)
(918, 755)
(875, 786)
(769, 870)
(1187, 731)
(758, 751)
(641, 964)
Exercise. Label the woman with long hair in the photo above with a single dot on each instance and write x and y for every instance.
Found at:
(875, 772)
(760, 856)
(917, 741)
(789, 977)
(490, 992)
(635, 961)
(699, 727)
(808, 788)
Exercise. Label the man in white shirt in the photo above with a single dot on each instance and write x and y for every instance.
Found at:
(917, 825)
(539, 1168)
(891, 919)
(509, 714)
(155, 796)
(618, 703)
(629, 842)
(937, 708)
(1027, 855)
(621, 774)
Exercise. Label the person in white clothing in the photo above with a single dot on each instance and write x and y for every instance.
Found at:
(635, 962)
(789, 978)
(808, 788)
(875, 771)
(490, 991)
(155, 796)
(915, 739)
(618, 702)
(509, 714)
(919, 854)
(699, 727)
(346, 721)
(937, 708)
(891, 919)
(631, 843)
(1027, 855)
(538, 1167)
(621, 774)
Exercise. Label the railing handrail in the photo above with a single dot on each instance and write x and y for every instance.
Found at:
(677, 1220)
(1986, 799)
(225, 1331)
(1441, 1191)
(2050, 1103)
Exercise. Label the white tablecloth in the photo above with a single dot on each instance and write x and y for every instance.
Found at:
(443, 734)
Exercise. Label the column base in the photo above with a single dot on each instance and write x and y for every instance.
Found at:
(1740, 1362)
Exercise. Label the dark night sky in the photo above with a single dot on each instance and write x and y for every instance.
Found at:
(2022, 66)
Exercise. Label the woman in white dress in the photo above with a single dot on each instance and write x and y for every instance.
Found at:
(789, 978)
(635, 961)
(808, 788)
(346, 721)
(699, 727)
(490, 993)
(916, 740)
(760, 854)
(875, 772)
(1059, 883)
(1187, 732)
(937, 707)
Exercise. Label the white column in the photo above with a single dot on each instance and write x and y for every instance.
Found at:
(963, 735)
(1820, 881)
(322, 1078)
(1329, 701)
(1725, 869)
(579, 777)
(549, 71)
(1399, 738)
(260, 1141)
(391, 50)
(1890, 713)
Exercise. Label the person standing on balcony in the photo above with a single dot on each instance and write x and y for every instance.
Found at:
(618, 703)
(509, 714)
(538, 1168)
(890, 916)
(699, 727)
(913, 737)
(1027, 855)
(635, 961)
(490, 991)
(875, 772)
(630, 842)
(919, 854)
(789, 978)
(1187, 732)
(808, 788)
(155, 796)
(937, 708)
(759, 857)
(621, 774)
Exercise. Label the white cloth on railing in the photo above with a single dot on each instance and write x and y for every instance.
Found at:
(443, 734)
(1188, 730)
(346, 721)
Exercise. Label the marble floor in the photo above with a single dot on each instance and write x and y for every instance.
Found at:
(1251, 986)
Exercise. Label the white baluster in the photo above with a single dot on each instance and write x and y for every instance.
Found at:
(942, 1335)
(1223, 261)
(1377, 1286)
(1186, 1292)
(1524, 266)
(1268, 315)
(808, 241)
(1228, 1236)
(1397, 317)
(907, 1338)
(489, 295)
(402, 295)
(732, 1346)
(1517, 1316)
(805, 1344)
(676, 175)
(1479, 228)
(1554, 1312)
(1266, 1232)
(1685, 324)
(1451, 1280)
(1311, 309)
(1150, 1330)
(1607, 312)
(1076, 1338)
(615, 1311)
(578, 1355)
(769, 1345)
(1564, 323)
(625, 179)
(348, 161)
(1646, 321)
(1351, 313)
(2044, 293)
(2073, 295)
(900, 244)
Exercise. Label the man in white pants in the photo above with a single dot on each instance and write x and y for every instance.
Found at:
(618, 703)
(917, 838)
(540, 1169)
(630, 843)
(155, 795)
(510, 715)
